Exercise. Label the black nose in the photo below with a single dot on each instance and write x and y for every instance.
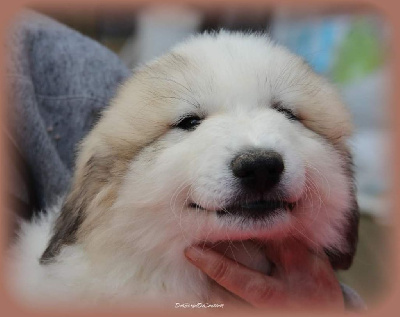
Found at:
(258, 170)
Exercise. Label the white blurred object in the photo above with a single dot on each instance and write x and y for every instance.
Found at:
(368, 99)
(371, 152)
(159, 28)
(313, 35)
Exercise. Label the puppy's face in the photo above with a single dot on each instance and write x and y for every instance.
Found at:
(226, 138)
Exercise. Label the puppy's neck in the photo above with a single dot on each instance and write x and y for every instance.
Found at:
(156, 270)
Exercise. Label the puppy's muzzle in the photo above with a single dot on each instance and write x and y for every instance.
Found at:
(258, 170)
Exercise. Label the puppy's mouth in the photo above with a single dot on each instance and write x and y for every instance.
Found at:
(247, 249)
(252, 209)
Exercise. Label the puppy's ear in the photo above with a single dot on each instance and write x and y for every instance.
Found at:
(88, 181)
(342, 260)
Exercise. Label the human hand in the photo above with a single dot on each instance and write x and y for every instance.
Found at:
(300, 278)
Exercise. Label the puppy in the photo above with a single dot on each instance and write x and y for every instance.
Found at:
(228, 141)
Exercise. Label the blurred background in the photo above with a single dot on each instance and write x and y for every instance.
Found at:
(348, 45)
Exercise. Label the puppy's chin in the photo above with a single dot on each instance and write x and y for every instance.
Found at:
(250, 253)
(245, 226)
(242, 233)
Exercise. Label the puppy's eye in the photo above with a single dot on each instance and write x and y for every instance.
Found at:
(188, 123)
(288, 113)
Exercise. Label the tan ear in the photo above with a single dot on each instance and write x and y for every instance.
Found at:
(88, 182)
(343, 260)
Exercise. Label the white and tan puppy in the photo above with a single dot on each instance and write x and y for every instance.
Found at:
(229, 137)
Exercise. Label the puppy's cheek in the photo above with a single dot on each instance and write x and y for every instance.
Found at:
(323, 209)
(321, 164)
(294, 178)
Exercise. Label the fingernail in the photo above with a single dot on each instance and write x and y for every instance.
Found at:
(193, 253)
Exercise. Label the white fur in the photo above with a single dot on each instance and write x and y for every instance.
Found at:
(137, 252)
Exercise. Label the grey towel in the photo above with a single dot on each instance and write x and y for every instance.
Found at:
(59, 82)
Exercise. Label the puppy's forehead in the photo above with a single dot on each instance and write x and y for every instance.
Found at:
(239, 70)
(228, 70)
(224, 71)
(216, 73)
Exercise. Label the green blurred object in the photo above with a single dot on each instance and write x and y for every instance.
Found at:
(359, 54)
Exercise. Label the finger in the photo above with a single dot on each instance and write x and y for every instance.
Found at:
(252, 286)
(289, 255)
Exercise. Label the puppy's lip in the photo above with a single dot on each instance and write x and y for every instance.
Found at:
(256, 206)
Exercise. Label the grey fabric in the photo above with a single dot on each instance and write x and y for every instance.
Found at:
(352, 300)
(59, 82)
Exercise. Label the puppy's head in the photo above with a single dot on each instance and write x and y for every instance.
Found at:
(228, 137)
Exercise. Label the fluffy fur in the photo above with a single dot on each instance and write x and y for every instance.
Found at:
(121, 231)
